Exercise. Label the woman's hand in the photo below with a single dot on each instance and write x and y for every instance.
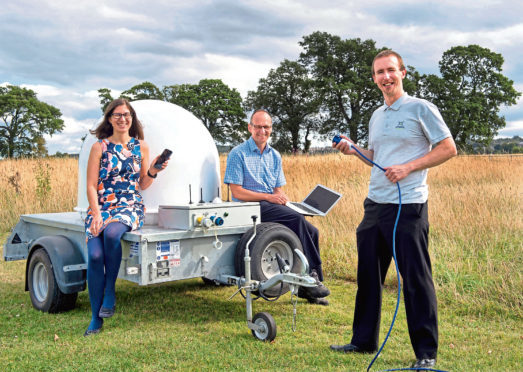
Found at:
(148, 172)
(153, 170)
(96, 223)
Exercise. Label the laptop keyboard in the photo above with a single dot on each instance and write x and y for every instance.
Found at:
(304, 208)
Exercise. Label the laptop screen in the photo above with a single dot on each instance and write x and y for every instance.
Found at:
(322, 198)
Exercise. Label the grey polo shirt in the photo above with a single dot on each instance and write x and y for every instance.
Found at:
(399, 133)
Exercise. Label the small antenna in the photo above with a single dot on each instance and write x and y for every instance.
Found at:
(190, 194)
(201, 196)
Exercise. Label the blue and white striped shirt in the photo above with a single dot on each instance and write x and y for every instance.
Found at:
(255, 171)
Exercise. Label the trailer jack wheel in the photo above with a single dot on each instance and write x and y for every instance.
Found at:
(268, 327)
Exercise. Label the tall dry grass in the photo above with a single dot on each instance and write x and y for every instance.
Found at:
(36, 186)
(475, 212)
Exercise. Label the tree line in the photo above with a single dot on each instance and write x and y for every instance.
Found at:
(328, 89)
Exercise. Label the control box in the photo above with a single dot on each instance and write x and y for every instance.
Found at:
(205, 215)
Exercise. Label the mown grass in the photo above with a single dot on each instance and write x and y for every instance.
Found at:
(190, 326)
(475, 243)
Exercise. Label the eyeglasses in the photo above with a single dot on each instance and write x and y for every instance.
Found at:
(117, 116)
(260, 127)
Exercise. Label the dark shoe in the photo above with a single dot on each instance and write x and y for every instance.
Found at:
(349, 348)
(312, 293)
(106, 312)
(318, 301)
(319, 291)
(424, 363)
(90, 332)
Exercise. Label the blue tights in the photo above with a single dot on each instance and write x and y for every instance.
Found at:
(104, 256)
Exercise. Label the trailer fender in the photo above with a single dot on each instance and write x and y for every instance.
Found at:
(62, 253)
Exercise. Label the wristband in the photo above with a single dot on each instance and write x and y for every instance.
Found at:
(150, 175)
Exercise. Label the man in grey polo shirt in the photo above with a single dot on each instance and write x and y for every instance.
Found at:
(401, 135)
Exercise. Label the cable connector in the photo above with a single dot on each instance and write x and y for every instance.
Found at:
(337, 139)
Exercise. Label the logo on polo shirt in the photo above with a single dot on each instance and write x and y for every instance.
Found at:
(400, 125)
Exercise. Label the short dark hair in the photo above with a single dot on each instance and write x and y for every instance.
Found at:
(386, 53)
(105, 129)
(255, 112)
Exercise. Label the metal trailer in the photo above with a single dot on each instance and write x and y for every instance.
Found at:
(219, 242)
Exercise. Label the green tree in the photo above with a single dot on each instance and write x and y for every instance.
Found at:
(145, 90)
(105, 97)
(289, 95)
(39, 149)
(24, 122)
(342, 70)
(215, 104)
(470, 92)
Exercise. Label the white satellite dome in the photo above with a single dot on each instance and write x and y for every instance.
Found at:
(194, 163)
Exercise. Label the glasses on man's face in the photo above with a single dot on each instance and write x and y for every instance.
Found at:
(117, 116)
(260, 127)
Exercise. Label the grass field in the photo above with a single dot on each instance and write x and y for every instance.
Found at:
(476, 245)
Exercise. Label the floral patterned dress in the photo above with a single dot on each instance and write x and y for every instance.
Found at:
(118, 195)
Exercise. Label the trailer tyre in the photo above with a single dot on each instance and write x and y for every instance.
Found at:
(43, 289)
(210, 282)
(271, 238)
(267, 332)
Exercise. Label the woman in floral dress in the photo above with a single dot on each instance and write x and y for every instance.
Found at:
(117, 170)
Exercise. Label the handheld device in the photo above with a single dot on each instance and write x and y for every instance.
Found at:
(164, 156)
(337, 139)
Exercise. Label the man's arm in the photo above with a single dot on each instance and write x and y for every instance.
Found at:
(346, 149)
(444, 150)
(247, 195)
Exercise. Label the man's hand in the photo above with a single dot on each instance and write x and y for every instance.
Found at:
(444, 150)
(277, 198)
(344, 147)
(396, 173)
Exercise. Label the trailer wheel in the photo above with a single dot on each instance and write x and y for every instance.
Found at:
(268, 327)
(271, 238)
(43, 289)
(210, 282)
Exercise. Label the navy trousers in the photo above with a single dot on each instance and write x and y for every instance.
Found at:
(306, 232)
(374, 240)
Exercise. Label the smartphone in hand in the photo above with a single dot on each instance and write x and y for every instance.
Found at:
(165, 155)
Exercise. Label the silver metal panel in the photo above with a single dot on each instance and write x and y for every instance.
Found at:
(190, 216)
(67, 221)
(153, 234)
(33, 226)
(14, 252)
(197, 256)
(190, 252)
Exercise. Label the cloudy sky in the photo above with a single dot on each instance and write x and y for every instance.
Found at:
(66, 50)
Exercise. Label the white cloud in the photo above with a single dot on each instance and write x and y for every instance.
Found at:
(70, 139)
(66, 50)
(70, 102)
(241, 73)
(43, 90)
(513, 128)
(123, 15)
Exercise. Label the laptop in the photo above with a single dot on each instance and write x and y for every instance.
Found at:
(318, 203)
